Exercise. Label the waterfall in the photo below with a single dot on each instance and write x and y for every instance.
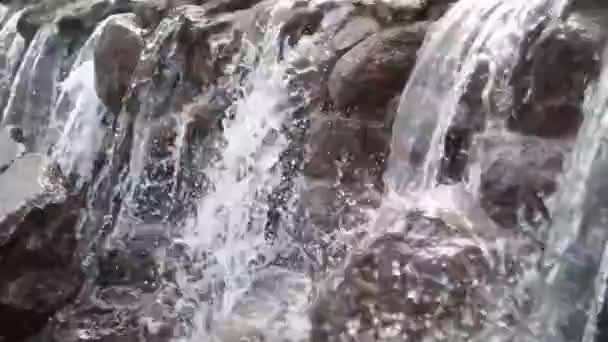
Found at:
(576, 255)
(12, 46)
(34, 89)
(245, 294)
(176, 181)
(473, 35)
(75, 130)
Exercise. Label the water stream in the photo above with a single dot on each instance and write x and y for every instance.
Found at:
(230, 283)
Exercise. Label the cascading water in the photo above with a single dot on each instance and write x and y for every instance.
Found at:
(576, 256)
(76, 137)
(13, 46)
(239, 292)
(473, 35)
(232, 282)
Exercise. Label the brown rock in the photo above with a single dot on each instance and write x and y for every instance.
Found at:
(346, 148)
(519, 178)
(116, 56)
(39, 270)
(405, 284)
(355, 30)
(371, 73)
(548, 103)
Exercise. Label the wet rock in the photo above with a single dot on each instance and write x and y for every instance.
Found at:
(347, 150)
(116, 56)
(20, 183)
(9, 149)
(39, 269)
(372, 72)
(72, 18)
(517, 181)
(548, 103)
(405, 285)
(329, 206)
(225, 6)
(435, 9)
(297, 24)
(355, 30)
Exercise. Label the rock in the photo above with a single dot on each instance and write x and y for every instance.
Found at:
(9, 150)
(298, 23)
(20, 183)
(355, 30)
(116, 56)
(548, 103)
(372, 72)
(72, 18)
(519, 178)
(406, 284)
(226, 6)
(345, 149)
(435, 9)
(39, 271)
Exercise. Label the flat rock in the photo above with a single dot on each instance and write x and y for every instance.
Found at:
(9, 149)
(20, 183)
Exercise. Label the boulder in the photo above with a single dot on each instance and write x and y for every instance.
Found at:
(9, 149)
(517, 179)
(345, 149)
(39, 270)
(354, 31)
(547, 103)
(72, 17)
(116, 56)
(405, 284)
(376, 69)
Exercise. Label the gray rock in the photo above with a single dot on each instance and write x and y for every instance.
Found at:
(116, 56)
(9, 149)
(354, 31)
(372, 72)
(547, 103)
(72, 17)
(520, 178)
(348, 149)
(39, 273)
(21, 183)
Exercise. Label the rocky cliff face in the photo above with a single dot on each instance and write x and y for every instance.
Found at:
(117, 110)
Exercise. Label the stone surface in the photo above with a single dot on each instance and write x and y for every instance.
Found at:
(71, 17)
(372, 72)
(354, 31)
(405, 284)
(547, 103)
(9, 150)
(39, 271)
(520, 178)
(116, 56)
(346, 150)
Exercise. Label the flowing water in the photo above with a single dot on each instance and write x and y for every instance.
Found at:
(230, 283)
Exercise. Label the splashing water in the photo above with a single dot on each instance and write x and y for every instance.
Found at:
(245, 296)
(75, 127)
(576, 255)
(472, 35)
